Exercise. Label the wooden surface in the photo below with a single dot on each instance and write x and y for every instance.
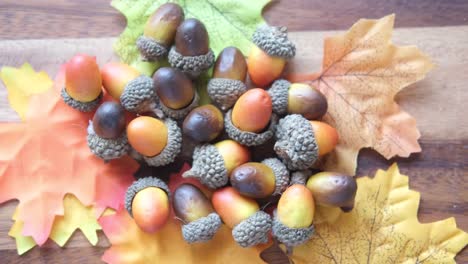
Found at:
(440, 172)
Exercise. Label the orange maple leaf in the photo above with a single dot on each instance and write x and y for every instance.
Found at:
(47, 156)
(362, 71)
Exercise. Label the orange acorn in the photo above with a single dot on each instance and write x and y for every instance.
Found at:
(268, 58)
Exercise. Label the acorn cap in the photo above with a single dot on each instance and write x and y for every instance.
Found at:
(295, 143)
(203, 229)
(180, 113)
(253, 230)
(104, 148)
(193, 66)
(172, 148)
(249, 138)
(291, 236)
(225, 92)
(208, 167)
(80, 106)
(279, 96)
(150, 50)
(281, 174)
(139, 95)
(274, 41)
(141, 184)
(300, 177)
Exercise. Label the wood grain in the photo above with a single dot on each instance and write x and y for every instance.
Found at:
(440, 172)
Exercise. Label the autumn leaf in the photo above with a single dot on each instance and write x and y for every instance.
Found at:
(47, 156)
(229, 23)
(382, 228)
(362, 72)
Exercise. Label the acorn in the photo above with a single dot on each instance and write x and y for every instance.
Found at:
(227, 82)
(134, 90)
(159, 32)
(147, 202)
(201, 222)
(175, 91)
(299, 142)
(269, 55)
(203, 123)
(191, 53)
(251, 121)
(299, 177)
(106, 132)
(297, 98)
(250, 226)
(212, 164)
(158, 141)
(82, 89)
(292, 221)
(260, 180)
(333, 189)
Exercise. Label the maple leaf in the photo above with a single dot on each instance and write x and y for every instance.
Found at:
(382, 228)
(47, 156)
(229, 23)
(362, 71)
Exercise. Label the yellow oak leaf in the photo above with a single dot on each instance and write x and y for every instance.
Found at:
(382, 228)
(362, 71)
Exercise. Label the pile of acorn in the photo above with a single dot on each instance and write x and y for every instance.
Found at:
(166, 107)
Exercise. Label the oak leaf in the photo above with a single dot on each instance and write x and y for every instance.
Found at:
(362, 71)
(382, 228)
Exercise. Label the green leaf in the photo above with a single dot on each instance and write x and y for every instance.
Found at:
(229, 23)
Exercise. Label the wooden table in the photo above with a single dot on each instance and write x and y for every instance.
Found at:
(440, 172)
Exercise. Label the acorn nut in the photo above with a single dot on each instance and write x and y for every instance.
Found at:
(250, 226)
(200, 220)
(269, 55)
(299, 142)
(212, 164)
(292, 221)
(175, 92)
(158, 141)
(191, 53)
(83, 83)
(333, 189)
(251, 121)
(159, 32)
(297, 98)
(228, 79)
(147, 202)
(106, 132)
(203, 123)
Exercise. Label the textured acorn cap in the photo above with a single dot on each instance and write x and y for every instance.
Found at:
(208, 167)
(249, 138)
(193, 66)
(225, 92)
(300, 177)
(172, 148)
(150, 49)
(295, 142)
(291, 237)
(141, 184)
(180, 113)
(203, 229)
(253, 230)
(139, 95)
(105, 148)
(281, 174)
(274, 41)
(279, 96)
(80, 106)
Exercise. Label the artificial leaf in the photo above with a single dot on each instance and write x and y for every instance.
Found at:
(229, 23)
(47, 156)
(382, 228)
(21, 83)
(362, 71)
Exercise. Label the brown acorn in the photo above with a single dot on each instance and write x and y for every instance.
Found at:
(203, 123)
